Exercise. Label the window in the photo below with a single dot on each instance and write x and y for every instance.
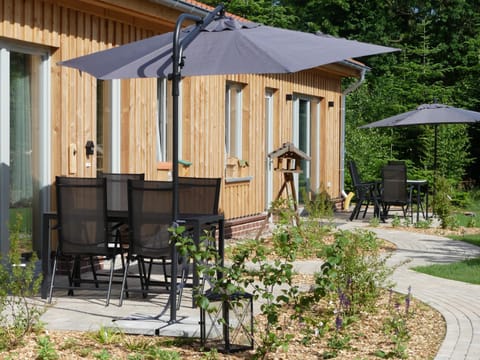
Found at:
(305, 136)
(164, 128)
(103, 125)
(269, 116)
(233, 120)
(162, 120)
(108, 126)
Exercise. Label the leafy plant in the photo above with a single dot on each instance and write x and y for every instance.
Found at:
(69, 343)
(374, 221)
(472, 222)
(212, 354)
(272, 269)
(158, 353)
(396, 327)
(19, 314)
(407, 221)
(102, 355)
(396, 221)
(46, 349)
(137, 344)
(353, 267)
(106, 335)
(320, 206)
(423, 224)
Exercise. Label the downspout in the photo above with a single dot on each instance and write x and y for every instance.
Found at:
(350, 89)
(184, 7)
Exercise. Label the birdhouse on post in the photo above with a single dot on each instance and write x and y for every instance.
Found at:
(288, 158)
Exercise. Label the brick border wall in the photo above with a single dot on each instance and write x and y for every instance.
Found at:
(245, 225)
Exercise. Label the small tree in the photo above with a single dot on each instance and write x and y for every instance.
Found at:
(442, 205)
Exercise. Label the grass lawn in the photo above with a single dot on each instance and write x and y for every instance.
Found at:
(467, 270)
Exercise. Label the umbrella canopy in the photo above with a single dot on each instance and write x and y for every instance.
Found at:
(225, 46)
(216, 45)
(429, 114)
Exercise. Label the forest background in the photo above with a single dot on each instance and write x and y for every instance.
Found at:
(439, 62)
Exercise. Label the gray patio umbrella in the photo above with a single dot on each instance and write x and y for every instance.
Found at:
(215, 45)
(429, 114)
(225, 46)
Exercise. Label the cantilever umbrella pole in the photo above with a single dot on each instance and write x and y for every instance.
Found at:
(178, 46)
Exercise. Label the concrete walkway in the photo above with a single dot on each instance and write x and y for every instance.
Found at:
(458, 302)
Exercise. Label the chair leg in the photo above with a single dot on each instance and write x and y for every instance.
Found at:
(356, 211)
(124, 281)
(366, 208)
(52, 280)
(110, 280)
(142, 274)
(183, 279)
(94, 272)
(385, 211)
(74, 275)
(149, 275)
(164, 268)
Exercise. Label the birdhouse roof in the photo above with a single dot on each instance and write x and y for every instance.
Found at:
(288, 150)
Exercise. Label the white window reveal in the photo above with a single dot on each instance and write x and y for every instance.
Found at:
(233, 121)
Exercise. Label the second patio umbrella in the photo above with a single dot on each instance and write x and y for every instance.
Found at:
(429, 114)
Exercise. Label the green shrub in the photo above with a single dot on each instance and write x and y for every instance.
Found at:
(19, 314)
(107, 335)
(355, 269)
(374, 221)
(396, 222)
(272, 271)
(423, 224)
(442, 202)
(353, 273)
(46, 349)
(320, 205)
(396, 326)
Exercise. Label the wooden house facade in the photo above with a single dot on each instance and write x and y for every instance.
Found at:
(53, 117)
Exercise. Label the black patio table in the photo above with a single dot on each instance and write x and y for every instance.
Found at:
(420, 188)
(421, 192)
(192, 221)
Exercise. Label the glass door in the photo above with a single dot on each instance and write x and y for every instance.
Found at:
(24, 167)
(301, 139)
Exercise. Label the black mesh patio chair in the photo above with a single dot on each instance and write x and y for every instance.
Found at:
(366, 193)
(395, 190)
(150, 216)
(83, 232)
(117, 189)
(117, 204)
(198, 196)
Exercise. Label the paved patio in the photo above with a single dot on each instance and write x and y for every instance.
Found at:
(458, 302)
